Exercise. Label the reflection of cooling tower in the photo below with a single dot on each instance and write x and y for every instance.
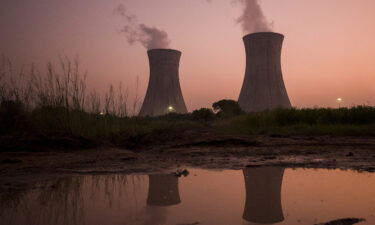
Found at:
(163, 190)
(164, 92)
(263, 195)
(263, 87)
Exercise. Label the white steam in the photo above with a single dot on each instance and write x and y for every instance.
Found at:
(149, 37)
(253, 19)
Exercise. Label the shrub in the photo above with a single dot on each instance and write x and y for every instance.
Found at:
(13, 117)
(203, 114)
(227, 108)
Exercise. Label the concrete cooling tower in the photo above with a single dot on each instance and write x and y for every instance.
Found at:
(263, 195)
(164, 93)
(163, 190)
(263, 87)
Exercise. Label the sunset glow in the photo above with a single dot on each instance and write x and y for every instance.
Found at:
(329, 46)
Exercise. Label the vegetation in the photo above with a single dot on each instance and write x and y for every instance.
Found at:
(54, 109)
(358, 120)
(203, 115)
(227, 108)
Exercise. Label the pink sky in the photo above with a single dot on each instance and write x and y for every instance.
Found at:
(329, 48)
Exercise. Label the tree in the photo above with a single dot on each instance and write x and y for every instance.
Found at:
(203, 114)
(227, 108)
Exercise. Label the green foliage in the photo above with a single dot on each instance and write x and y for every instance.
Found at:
(227, 108)
(55, 104)
(356, 120)
(203, 114)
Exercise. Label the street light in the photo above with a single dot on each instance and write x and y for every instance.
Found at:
(339, 100)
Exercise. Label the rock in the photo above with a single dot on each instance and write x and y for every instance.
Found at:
(350, 154)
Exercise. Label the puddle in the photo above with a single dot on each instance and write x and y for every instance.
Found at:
(233, 197)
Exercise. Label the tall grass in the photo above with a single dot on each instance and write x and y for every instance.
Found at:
(62, 85)
(56, 102)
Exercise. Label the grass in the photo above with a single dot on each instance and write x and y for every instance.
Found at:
(61, 127)
(55, 105)
(358, 120)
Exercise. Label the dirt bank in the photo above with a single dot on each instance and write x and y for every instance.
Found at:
(19, 170)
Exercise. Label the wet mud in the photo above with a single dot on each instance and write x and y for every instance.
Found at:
(20, 169)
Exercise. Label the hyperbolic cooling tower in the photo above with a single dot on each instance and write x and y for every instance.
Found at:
(163, 190)
(164, 92)
(263, 195)
(263, 87)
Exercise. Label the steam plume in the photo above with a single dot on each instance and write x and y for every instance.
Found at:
(149, 37)
(253, 19)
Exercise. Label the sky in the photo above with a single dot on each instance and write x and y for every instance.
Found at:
(328, 51)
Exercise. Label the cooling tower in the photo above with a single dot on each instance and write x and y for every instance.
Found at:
(164, 92)
(163, 190)
(263, 87)
(263, 195)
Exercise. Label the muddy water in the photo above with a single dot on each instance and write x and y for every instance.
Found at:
(249, 196)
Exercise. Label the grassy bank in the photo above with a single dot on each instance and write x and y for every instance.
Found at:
(64, 128)
(323, 121)
(55, 110)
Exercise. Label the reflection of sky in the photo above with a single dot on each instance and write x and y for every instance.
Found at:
(328, 51)
(308, 197)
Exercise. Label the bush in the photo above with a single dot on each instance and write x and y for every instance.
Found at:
(227, 108)
(173, 116)
(203, 114)
(13, 117)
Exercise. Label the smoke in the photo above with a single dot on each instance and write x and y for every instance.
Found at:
(253, 19)
(149, 37)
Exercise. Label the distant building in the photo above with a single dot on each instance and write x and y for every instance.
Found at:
(263, 195)
(164, 93)
(263, 86)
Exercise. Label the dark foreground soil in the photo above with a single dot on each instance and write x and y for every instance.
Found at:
(20, 169)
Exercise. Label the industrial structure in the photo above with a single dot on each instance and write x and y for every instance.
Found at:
(263, 195)
(164, 93)
(263, 87)
(163, 190)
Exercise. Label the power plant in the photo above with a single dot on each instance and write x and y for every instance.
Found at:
(163, 190)
(263, 195)
(162, 193)
(263, 87)
(164, 93)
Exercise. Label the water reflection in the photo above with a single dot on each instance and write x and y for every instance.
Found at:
(162, 193)
(263, 195)
(163, 190)
(251, 196)
(62, 201)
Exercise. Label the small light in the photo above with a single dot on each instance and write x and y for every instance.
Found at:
(102, 113)
(339, 101)
(170, 108)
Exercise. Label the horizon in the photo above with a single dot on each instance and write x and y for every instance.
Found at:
(323, 56)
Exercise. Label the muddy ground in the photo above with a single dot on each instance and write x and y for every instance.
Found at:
(19, 170)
